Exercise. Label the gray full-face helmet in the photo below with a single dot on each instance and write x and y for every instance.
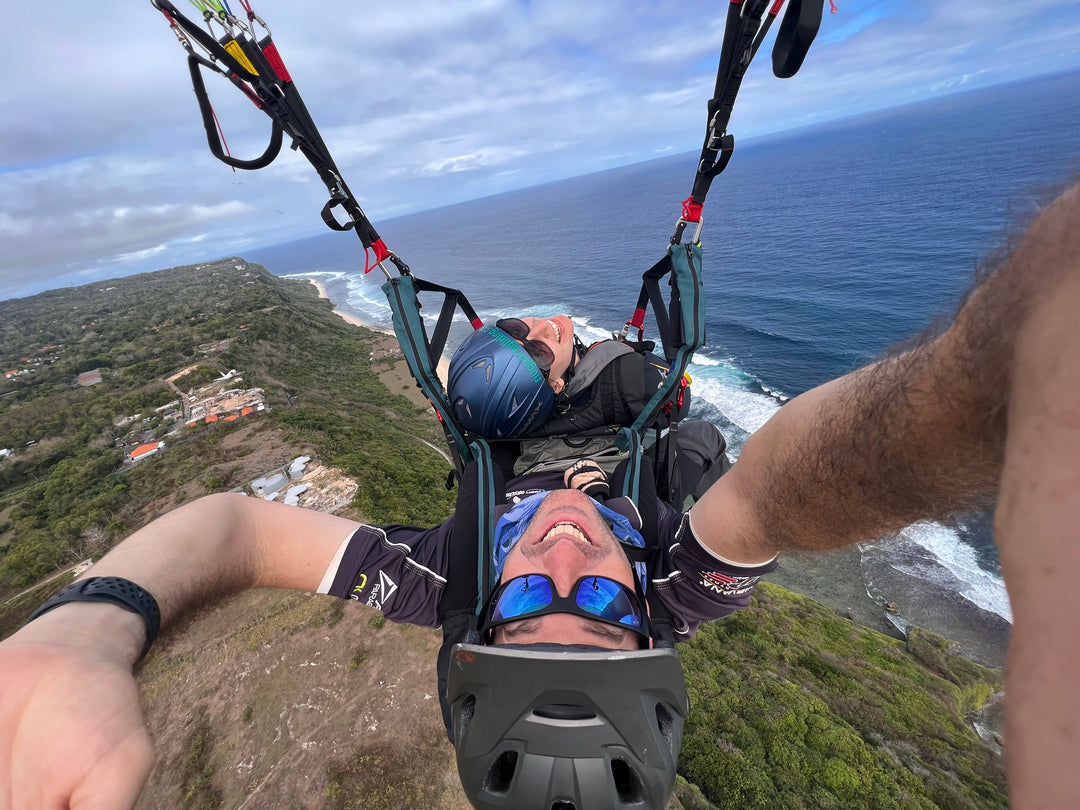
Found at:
(566, 727)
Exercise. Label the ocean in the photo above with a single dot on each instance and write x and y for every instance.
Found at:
(822, 246)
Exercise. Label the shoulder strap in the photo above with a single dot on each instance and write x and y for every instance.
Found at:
(423, 354)
(470, 572)
(646, 502)
(596, 359)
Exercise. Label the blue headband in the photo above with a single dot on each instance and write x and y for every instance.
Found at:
(511, 526)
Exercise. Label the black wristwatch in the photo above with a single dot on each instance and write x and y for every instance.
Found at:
(114, 591)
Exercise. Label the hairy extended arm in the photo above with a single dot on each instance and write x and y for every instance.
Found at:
(917, 435)
(990, 407)
(226, 543)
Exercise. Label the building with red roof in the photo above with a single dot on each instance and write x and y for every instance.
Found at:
(145, 451)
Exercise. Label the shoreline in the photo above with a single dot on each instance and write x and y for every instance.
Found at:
(386, 357)
(837, 579)
(345, 316)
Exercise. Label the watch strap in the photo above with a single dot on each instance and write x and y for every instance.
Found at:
(114, 591)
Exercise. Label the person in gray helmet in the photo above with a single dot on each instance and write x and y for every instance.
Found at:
(989, 407)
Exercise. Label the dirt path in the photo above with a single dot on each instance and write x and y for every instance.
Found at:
(78, 568)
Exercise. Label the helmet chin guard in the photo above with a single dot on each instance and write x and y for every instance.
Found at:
(566, 727)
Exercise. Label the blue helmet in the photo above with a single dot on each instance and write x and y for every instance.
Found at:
(496, 390)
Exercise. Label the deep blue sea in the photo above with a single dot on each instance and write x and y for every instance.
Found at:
(822, 247)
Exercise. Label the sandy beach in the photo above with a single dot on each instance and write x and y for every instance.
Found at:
(345, 316)
(386, 357)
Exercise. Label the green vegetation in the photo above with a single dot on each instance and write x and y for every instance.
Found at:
(64, 496)
(199, 376)
(359, 656)
(196, 790)
(407, 775)
(16, 611)
(337, 614)
(377, 622)
(797, 708)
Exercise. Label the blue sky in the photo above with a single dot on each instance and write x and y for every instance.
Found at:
(104, 168)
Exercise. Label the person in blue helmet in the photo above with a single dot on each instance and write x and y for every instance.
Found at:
(533, 380)
(988, 407)
(502, 383)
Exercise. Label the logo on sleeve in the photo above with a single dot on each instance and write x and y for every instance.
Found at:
(727, 585)
(358, 589)
(381, 593)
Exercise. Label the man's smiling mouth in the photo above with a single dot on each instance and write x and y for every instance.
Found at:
(567, 529)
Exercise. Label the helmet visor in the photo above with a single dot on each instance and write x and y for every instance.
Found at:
(593, 597)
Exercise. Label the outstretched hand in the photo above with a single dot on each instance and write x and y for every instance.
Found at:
(72, 733)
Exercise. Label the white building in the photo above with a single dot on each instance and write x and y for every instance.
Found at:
(298, 466)
(292, 496)
(269, 485)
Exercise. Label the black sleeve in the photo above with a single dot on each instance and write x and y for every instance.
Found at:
(400, 570)
(695, 584)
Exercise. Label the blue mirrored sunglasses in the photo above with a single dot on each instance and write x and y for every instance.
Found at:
(593, 597)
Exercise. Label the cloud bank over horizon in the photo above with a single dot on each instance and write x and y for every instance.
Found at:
(104, 168)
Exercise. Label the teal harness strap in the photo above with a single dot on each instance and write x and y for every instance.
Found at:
(688, 295)
(486, 501)
(688, 300)
(400, 293)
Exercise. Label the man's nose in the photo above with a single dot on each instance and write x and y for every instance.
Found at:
(565, 564)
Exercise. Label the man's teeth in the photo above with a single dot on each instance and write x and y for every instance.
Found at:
(558, 332)
(569, 529)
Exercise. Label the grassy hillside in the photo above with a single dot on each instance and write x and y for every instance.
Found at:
(795, 707)
(62, 494)
(290, 700)
(286, 700)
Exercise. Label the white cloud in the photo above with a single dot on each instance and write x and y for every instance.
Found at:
(102, 152)
(140, 255)
(470, 162)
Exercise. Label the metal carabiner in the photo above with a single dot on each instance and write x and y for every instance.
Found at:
(255, 18)
(680, 226)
